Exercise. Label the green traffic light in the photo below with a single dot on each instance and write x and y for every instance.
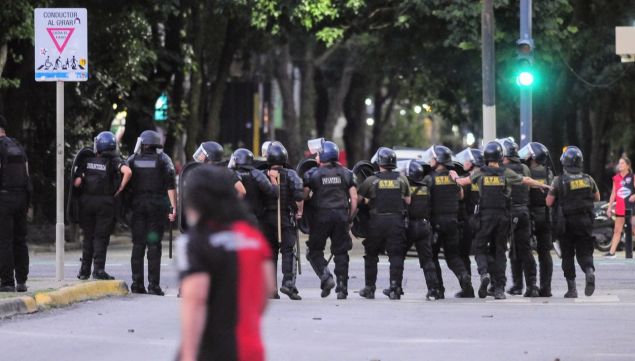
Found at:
(525, 78)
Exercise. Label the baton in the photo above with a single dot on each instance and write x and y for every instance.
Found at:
(170, 235)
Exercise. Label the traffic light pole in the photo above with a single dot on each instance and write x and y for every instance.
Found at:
(488, 64)
(525, 92)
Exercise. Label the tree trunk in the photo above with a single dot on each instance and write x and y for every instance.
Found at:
(4, 50)
(283, 73)
(308, 96)
(338, 95)
(195, 104)
(355, 112)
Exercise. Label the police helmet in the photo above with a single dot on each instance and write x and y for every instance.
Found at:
(535, 151)
(149, 139)
(241, 158)
(510, 148)
(493, 152)
(386, 158)
(572, 159)
(471, 155)
(277, 154)
(105, 142)
(209, 152)
(415, 172)
(329, 152)
(478, 157)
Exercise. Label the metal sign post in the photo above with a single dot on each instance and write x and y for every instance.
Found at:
(61, 54)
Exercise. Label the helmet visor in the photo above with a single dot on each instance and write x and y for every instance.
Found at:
(232, 162)
(428, 155)
(403, 166)
(265, 148)
(200, 156)
(315, 145)
(137, 147)
(464, 156)
(526, 152)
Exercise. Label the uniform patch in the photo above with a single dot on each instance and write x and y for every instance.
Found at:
(579, 184)
(475, 188)
(541, 181)
(419, 191)
(331, 180)
(388, 184)
(493, 181)
(96, 166)
(443, 180)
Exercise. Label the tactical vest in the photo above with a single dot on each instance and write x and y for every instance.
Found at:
(253, 196)
(538, 198)
(520, 192)
(493, 191)
(98, 177)
(577, 194)
(388, 197)
(331, 190)
(271, 204)
(13, 171)
(147, 175)
(419, 202)
(444, 194)
(471, 199)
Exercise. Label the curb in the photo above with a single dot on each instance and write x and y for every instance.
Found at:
(62, 297)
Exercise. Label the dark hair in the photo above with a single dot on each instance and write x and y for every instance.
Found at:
(210, 191)
(3, 122)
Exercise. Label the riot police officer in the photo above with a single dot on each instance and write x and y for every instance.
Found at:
(493, 216)
(15, 190)
(573, 195)
(520, 253)
(419, 231)
(387, 193)
(256, 184)
(444, 197)
(212, 153)
(472, 160)
(335, 198)
(101, 177)
(278, 222)
(538, 156)
(153, 197)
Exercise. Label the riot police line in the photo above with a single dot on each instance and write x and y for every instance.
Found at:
(492, 203)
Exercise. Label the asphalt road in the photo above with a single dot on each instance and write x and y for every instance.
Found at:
(136, 327)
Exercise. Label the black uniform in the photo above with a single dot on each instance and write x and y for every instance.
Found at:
(444, 196)
(387, 228)
(470, 201)
(493, 220)
(100, 181)
(152, 176)
(14, 193)
(520, 255)
(575, 194)
(542, 224)
(331, 200)
(419, 232)
(258, 188)
(291, 191)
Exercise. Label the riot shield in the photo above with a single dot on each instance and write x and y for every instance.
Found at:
(181, 187)
(362, 170)
(309, 208)
(74, 194)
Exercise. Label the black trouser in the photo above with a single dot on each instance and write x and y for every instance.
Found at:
(14, 254)
(577, 242)
(330, 223)
(96, 219)
(289, 236)
(542, 232)
(491, 245)
(520, 254)
(386, 231)
(419, 233)
(446, 230)
(149, 218)
(465, 243)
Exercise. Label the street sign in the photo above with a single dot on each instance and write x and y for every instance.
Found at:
(61, 44)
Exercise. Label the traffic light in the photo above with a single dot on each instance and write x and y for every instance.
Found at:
(525, 76)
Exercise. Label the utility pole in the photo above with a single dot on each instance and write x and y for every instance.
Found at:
(525, 49)
(488, 69)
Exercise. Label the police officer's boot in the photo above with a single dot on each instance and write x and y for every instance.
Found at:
(433, 293)
(102, 275)
(395, 291)
(590, 282)
(517, 278)
(467, 291)
(342, 288)
(136, 264)
(517, 288)
(368, 292)
(499, 293)
(289, 289)
(84, 270)
(485, 282)
(155, 289)
(572, 292)
(327, 283)
(532, 289)
(441, 293)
